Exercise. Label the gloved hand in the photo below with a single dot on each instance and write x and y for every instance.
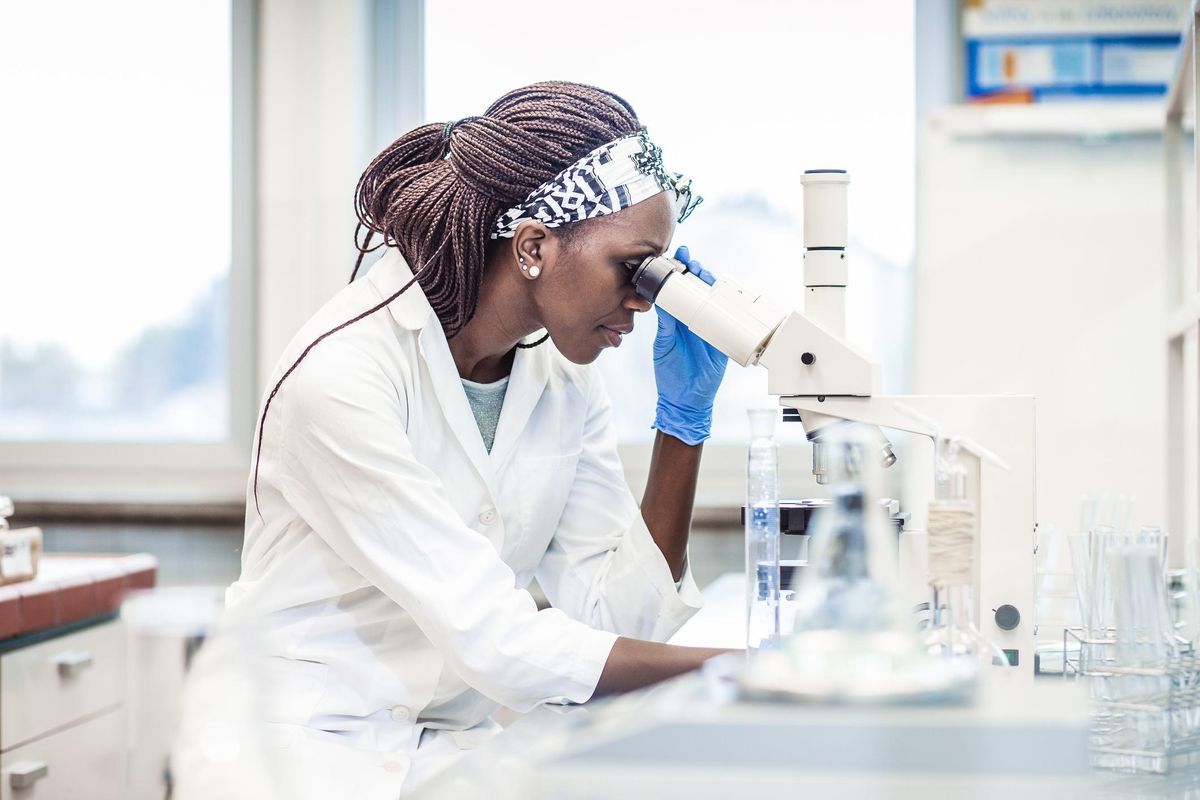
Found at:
(687, 371)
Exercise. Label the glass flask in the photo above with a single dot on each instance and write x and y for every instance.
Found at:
(853, 638)
(850, 582)
(762, 531)
(954, 634)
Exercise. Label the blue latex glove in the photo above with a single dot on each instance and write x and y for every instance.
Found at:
(687, 371)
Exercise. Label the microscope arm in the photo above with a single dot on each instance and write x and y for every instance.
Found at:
(803, 359)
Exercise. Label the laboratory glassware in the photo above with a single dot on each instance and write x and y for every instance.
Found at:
(850, 581)
(952, 542)
(1143, 677)
(762, 531)
(1144, 631)
(853, 638)
(1056, 600)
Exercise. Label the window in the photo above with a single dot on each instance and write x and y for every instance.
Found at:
(743, 99)
(124, 245)
(113, 318)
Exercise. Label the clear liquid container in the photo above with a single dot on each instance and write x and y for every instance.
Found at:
(854, 638)
(952, 532)
(849, 583)
(762, 531)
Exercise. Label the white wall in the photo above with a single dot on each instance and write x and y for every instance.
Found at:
(1040, 270)
(338, 81)
(313, 129)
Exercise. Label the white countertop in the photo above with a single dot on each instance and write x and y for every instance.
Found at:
(680, 739)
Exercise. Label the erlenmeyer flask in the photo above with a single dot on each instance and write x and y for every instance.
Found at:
(853, 638)
(850, 581)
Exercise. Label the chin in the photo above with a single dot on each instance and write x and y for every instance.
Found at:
(579, 347)
(583, 357)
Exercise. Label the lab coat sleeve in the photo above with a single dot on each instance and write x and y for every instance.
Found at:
(349, 470)
(602, 566)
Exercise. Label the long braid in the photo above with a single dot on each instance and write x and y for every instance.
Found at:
(435, 192)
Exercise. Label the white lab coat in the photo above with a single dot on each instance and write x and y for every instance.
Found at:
(388, 569)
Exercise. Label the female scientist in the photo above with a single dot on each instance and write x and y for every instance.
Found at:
(426, 450)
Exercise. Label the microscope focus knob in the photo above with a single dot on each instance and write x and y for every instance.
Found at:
(808, 358)
(1007, 617)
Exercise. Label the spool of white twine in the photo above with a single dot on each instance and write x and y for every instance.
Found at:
(951, 539)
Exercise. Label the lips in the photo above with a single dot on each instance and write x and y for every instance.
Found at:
(615, 332)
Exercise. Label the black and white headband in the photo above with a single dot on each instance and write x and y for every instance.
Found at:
(611, 177)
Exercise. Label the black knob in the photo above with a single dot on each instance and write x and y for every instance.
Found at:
(808, 358)
(1007, 617)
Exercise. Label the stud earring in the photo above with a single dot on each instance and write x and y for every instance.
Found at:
(524, 266)
(534, 271)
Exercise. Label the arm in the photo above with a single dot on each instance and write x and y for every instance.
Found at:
(687, 371)
(669, 496)
(341, 457)
(633, 664)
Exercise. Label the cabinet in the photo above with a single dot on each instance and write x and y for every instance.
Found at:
(62, 716)
(83, 760)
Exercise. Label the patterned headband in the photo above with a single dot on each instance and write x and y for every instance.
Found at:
(611, 177)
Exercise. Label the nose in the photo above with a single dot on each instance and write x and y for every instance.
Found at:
(635, 302)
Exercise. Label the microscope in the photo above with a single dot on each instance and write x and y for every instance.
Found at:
(822, 382)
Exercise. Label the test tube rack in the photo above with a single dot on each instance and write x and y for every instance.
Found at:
(1144, 718)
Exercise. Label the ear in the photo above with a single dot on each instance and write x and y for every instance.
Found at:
(533, 245)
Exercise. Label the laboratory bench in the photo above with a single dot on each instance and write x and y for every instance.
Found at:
(63, 679)
(690, 737)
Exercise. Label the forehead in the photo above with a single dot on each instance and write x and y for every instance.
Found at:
(651, 220)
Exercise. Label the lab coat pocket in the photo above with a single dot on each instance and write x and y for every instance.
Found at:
(295, 687)
(544, 488)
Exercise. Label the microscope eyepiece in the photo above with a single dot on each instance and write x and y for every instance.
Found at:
(648, 278)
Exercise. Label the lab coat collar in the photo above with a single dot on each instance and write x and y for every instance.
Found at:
(389, 274)
(530, 372)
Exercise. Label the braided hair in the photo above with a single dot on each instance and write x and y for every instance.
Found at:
(435, 193)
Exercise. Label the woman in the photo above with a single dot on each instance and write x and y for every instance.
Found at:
(423, 455)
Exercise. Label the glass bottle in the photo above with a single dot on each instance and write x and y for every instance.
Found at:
(849, 583)
(953, 633)
(762, 531)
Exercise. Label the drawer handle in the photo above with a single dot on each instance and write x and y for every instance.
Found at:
(24, 774)
(71, 662)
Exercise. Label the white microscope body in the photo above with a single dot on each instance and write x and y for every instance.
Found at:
(822, 380)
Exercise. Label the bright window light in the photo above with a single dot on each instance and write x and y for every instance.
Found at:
(115, 199)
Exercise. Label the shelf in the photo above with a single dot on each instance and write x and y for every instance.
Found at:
(1084, 119)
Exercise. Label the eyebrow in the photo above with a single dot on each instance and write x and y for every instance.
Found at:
(651, 245)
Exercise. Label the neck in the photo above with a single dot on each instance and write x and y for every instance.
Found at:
(483, 350)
